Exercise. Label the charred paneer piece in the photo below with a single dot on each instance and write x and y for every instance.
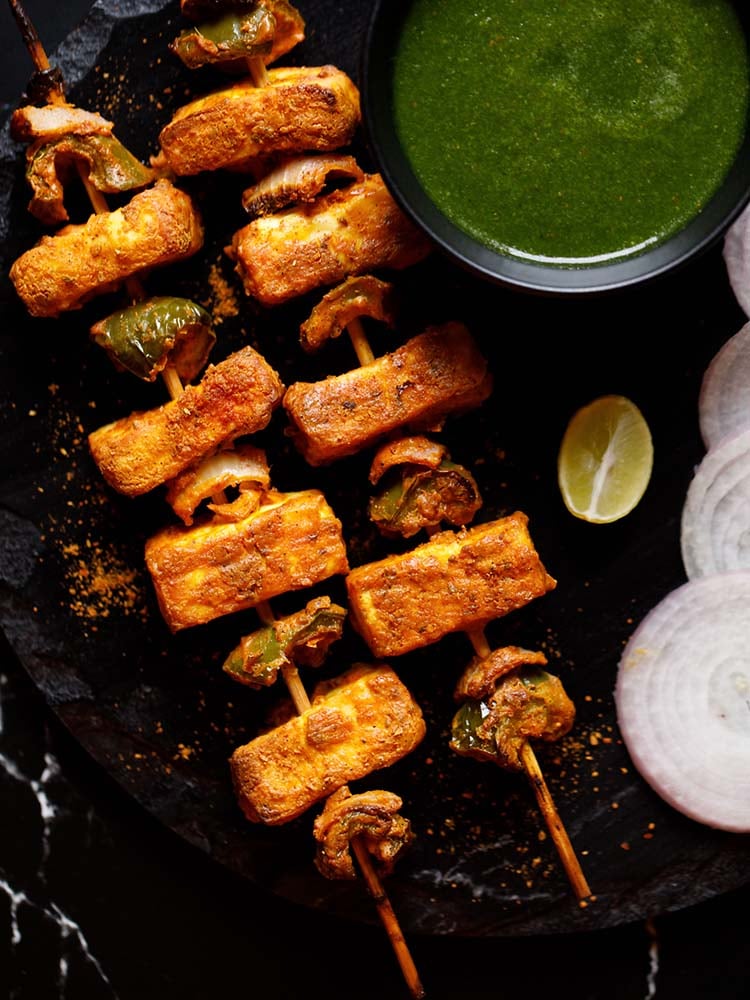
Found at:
(435, 374)
(213, 569)
(368, 721)
(457, 581)
(352, 230)
(54, 121)
(158, 226)
(301, 109)
(145, 449)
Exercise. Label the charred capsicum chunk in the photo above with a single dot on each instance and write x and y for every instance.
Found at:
(238, 34)
(234, 32)
(303, 638)
(424, 498)
(147, 336)
(111, 169)
(528, 704)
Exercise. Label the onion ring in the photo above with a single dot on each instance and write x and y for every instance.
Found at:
(714, 529)
(724, 399)
(683, 700)
(736, 253)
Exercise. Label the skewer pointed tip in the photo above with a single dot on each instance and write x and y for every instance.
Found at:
(388, 919)
(555, 825)
(46, 85)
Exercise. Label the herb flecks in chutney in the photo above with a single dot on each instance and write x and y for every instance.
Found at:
(575, 131)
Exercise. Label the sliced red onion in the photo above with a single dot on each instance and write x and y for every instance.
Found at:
(715, 526)
(724, 400)
(683, 700)
(737, 258)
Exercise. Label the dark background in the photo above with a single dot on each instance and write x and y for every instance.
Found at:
(97, 899)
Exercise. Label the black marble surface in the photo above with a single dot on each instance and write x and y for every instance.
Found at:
(97, 899)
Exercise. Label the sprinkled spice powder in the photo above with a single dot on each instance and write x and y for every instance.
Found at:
(223, 302)
(98, 582)
(98, 579)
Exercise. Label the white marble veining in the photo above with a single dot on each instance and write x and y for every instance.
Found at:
(653, 959)
(36, 896)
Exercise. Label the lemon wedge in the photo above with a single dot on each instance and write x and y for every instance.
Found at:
(605, 460)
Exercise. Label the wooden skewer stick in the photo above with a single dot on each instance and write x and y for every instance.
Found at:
(554, 823)
(544, 799)
(98, 202)
(258, 72)
(360, 342)
(372, 879)
(172, 381)
(36, 49)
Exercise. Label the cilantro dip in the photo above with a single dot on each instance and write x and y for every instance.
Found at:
(573, 132)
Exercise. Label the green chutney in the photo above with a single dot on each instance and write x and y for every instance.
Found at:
(573, 132)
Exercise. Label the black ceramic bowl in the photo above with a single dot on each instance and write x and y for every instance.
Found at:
(699, 234)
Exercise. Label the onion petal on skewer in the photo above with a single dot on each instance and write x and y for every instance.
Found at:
(415, 449)
(714, 535)
(296, 179)
(683, 697)
(724, 400)
(243, 466)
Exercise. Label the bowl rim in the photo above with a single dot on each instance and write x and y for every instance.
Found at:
(701, 233)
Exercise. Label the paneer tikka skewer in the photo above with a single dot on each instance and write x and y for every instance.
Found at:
(158, 226)
(164, 432)
(275, 543)
(364, 721)
(460, 581)
(265, 115)
(457, 581)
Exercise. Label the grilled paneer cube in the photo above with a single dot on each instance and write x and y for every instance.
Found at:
(352, 230)
(161, 225)
(437, 373)
(300, 109)
(455, 582)
(367, 722)
(213, 569)
(144, 450)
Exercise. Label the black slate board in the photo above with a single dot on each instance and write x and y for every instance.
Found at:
(156, 710)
